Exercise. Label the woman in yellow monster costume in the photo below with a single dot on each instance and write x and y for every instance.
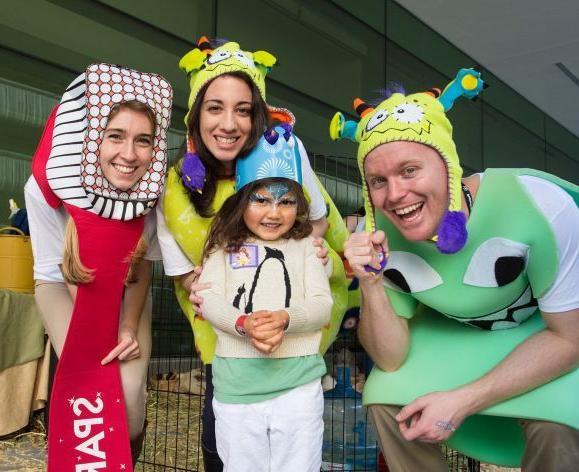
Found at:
(227, 114)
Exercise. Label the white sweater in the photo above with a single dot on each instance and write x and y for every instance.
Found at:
(256, 275)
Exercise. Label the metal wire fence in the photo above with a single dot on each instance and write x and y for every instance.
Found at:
(177, 383)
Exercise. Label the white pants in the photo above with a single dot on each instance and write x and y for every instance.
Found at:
(283, 434)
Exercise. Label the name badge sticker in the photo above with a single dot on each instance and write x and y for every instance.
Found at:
(246, 257)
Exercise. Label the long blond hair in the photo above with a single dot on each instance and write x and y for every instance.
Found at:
(75, 272)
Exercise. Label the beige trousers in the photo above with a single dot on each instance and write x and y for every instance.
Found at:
(56, 304)
(549, 446)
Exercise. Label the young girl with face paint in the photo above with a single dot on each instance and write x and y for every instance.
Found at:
(267, 282)
(97, 173)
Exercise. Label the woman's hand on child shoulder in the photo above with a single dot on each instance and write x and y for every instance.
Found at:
(321, 250)
(191, 283)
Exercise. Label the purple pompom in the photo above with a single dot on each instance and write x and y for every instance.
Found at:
(386, 93)
(287, 130)
(193, 172)
(452, 233)
(271, 136)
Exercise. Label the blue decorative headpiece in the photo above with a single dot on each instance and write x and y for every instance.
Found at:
(275, 155)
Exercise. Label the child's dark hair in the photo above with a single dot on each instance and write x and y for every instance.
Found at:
(229, 230)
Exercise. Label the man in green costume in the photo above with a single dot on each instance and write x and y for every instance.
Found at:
(473, 322)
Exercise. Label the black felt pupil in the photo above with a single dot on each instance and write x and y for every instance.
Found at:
(396, 277)
(508, 268)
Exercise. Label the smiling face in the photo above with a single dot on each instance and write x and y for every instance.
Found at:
(271, 211)
(126, 150)
(225, 118)
(407, 182)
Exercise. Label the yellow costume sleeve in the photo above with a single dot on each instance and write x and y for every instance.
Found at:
(336, 236)
(190, 231)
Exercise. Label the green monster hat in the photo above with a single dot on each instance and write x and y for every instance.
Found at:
(420, 118)
(203, 64)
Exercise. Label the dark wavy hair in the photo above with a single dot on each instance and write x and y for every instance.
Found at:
(214, 169)
(229, 231)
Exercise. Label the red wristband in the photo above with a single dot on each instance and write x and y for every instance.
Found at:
(240, 325)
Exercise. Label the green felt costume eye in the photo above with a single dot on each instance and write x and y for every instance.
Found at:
(496, 262)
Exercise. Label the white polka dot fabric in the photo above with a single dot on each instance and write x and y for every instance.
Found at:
(73, 168)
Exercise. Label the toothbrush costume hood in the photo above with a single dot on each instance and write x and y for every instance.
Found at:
(203, 64)
(472, 297)
(88, 420)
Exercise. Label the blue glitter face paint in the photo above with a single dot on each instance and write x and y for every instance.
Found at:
(259, 199)
(275, 195)
(277, 189)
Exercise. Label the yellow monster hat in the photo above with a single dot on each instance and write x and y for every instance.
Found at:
(203, 63)
(420, 118)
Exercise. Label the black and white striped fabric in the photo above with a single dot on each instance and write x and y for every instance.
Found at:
(73, 169)
(63, 166)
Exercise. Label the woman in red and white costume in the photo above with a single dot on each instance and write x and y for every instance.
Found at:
(107, 148)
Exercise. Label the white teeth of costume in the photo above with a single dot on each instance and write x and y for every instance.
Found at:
(224, 140)
(408, 209)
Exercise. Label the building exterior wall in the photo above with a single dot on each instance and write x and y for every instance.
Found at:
(329, 53)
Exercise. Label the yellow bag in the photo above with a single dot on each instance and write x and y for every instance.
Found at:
(16, 261)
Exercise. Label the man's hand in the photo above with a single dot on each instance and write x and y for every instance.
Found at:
(433, 417)
(363, 249)
(127, 348)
